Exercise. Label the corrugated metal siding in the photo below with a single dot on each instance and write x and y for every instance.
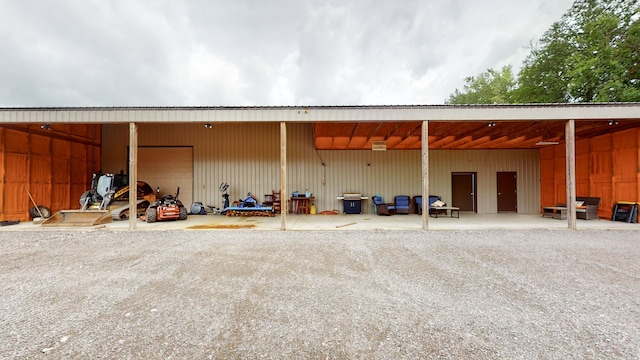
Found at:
(487, 163)
(525, 112)
(247, 156)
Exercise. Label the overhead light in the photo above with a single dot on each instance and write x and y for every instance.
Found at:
(546, 142)
(612, 122)
(45, 126)
(491, 124)
(208, 126)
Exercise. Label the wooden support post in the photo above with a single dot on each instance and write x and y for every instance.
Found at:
(425, 175)
(133, 175)
(284, 204)
(570, 148)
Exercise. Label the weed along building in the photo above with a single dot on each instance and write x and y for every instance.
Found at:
(483, 159)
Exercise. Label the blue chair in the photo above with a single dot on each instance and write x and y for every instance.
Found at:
(402, 204)
(382, 208)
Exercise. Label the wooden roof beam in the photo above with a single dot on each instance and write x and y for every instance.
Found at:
(458, 142)
(394, 131)
(372, 134)
(417, 130)
(353, 133)
(476, 142)
(440, 142)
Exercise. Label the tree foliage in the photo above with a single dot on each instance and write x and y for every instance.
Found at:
(591, 55)
(490, 87)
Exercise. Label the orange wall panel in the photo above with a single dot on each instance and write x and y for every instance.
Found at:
(2, 142)
(625, 139)
(625, 164)
(61, 148)
(78, 172)
(54, 165)
(16, 200)
(40, 145)
(583, 147)
(40, 169)
(583, 168)
(60, 196)
(547, 177)
(607, 166)
(624, 191)
(16, 168)
(602, 165)
(601, 143)
(78, 151)
(16, 141)
(61, 171)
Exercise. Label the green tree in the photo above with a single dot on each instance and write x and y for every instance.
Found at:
(490, 87)
(591, 55)
(544, 75)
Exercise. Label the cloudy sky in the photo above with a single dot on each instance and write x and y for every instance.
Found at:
(269, 52)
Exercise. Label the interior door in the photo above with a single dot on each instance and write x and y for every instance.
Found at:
(507, 191)
(463, 191)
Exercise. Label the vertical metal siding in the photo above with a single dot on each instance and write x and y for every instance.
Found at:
(247, 156)
(486, 163)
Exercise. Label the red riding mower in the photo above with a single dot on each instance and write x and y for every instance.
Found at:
(168, 207)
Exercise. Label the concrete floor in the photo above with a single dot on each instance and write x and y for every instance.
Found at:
(467, 221)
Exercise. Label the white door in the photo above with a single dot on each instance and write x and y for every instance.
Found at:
(168, 168)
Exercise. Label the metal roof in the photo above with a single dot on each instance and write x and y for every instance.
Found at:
(319, 114)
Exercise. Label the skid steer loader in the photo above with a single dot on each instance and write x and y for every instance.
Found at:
(107, 200)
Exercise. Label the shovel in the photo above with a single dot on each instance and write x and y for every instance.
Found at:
(34, 203)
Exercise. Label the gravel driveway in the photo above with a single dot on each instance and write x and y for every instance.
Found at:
(335, 294)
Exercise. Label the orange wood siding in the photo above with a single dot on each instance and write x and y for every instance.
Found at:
(2, 169)
(547, 176)
(54, 165)
(607, 167)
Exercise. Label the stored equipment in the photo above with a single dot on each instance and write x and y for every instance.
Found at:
(168, 207)
(107, 200)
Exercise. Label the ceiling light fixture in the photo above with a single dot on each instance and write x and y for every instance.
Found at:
(491, 124)
(546, 142)
(45, 126)
(612, 122)
(208, 126)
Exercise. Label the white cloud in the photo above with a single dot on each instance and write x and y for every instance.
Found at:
(278, 52)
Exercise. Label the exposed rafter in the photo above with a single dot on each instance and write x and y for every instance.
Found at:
(459, 135)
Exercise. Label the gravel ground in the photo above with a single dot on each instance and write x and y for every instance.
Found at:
(335, 294)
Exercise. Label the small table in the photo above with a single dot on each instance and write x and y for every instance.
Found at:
(555, 212)
(451, 210)
(301, 204)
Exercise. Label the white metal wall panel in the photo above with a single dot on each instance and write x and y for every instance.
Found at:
(247, 156)
(168, 168)
(486, 163)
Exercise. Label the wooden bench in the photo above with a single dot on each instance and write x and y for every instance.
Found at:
(555, 212)
(439, 209)
(587, 211)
